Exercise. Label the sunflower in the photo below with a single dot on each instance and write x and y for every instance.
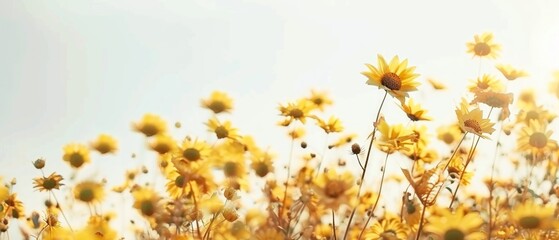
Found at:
(146, 201)
(554, 85)
(396, 77)
(222, 130)
(332, 126)
(320, 100)
(13, 207)
(48, 183)
(495, 100)
(195, 173)
(76, 155)
(394, 138)
(530, 216)
(105, 144)
(97, 228)
(472, 120)
(510, 72)
(298, 110)
(455, 226)
(193, 150)
(150, 125)
(539, 113)
(455, 169)
(334, 189)
(483, 46)
(536, 138)
(486, 82)
(262, 163)
(89, 191)
(163, 143)
(218, 102)
(449, 134)
(296, 133)
(390, 228)
(414, 111)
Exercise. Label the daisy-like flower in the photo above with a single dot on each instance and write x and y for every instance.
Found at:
(97, 228)
(105, 144)
(472, 120)
(486, 82)
(510, 72)
(534, 112)
(162, 143)
(390, 228)
(343, 140)
(526, 98)
(146, 200)
(89, 191)
(48, 183)
(530, 216)
(150, 125)
(483, 46)
(455, 169)
(262, 163)
(449, 134)
(218, 102)
(414, 111)
(193, 150)
(298, 110)
(496, 100)
(332, 126)
(334, 189)
(437, 85)
(458, 225)
(536, 138)
(394, 137)
(297, 133)
(222, 130)
(13, 207)
(396, 77)
(76, 155)
(320, 100)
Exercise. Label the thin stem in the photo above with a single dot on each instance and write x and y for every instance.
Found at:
(378, 196)
(334, 224)
(282, 207)
(455, 150)
(61, 211)
(359, 161)
(470, 156)
(366, 162)
(420, 228)
(322, 156)
(195, 209)
(490, 225)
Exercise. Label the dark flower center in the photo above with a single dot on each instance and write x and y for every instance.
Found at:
(391, 81)
(473, 124)
(454, 234)
(482, 49)
(76, 160)
(538, 140)
(191, 154)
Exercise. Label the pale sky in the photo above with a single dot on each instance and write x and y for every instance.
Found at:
(70, 70)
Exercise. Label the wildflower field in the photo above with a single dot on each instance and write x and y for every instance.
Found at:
(486, 170)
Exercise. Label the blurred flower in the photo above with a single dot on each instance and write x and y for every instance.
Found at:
(334, 189)
(536, 138)
(396, 77)
(332, 126)
(89, 191)
(146, 201)
(76, 155)
(449, 134)
(457, 225)
(150, 125)
(162, 143)
(222, 130)
(193, 150)
(437, 85)
(483, 46)
(486, 82)
(218, 102)
(320, 100)
(388, 228)
(529, 215)
(298, 110)
(495, 100)
(104, 144)
(510, 72)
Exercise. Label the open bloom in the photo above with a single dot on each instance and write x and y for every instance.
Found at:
(536, 138)
(483, 46)
(472, 120)
(222, 130)
(150, 125)
(334, 189)
(414, 111)
(510, 72)
(218, 102)
(396, 77)
(458, 225)
(394, 137)
(105, 144)
(76, 155)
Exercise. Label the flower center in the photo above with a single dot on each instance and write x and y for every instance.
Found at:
(162, 148)
(149, 129)
(103, 147)
(49, 184)
(532, 115)
(391, 81)
(217, 106)
(448, 138)
(261, 169)
(230, 169)
(296, 113)
(180, 181)
(191, 154)
(221, 132)
(538, 140)
(86, 195)
(529, 222)
(482, 49)
(334, 188)
(454, 234)
(473, 124)
(318, 101)
(76, 160)
(147, 208)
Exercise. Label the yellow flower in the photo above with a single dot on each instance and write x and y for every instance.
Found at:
(105, 144)
(4, 191)
(262, 163)
(456, 225)
(218, 102)
(146, 201)
(495, 100)
(333, 189)
(195, 173)
(390, 228)
(539, 113)
(536, 138)
(554, 85)
(526, 98)
(163, 143)
(97, 228)
(89, 191)
(343, 140)
(332, 126)
(13, 207)
(48, 183)
(269, 233)
(455, 169)
(510, 72)
(193, 150)
(529, 215)
(449, 134)
(396, 77)
(483, 46)
(414, 111)
(296, 133)
(437, 85)
(394, 138)
(150, 125)
(486, 82)
(222, 130)
(76, 155)
(412, 210)
(320, 99)
(295, 111)
(472, 120)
